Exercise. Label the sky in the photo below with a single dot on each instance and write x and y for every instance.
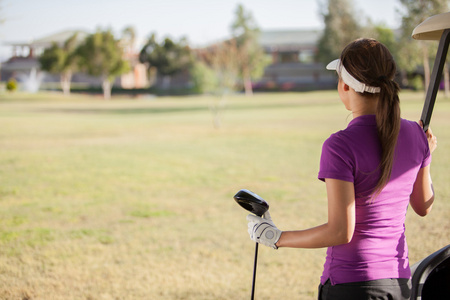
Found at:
(200, 21)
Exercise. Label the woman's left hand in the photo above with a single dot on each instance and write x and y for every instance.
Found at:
(263, 230)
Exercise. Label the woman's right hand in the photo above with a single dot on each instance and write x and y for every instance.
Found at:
(432, 139)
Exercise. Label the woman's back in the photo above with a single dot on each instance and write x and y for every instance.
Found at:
(378, 248)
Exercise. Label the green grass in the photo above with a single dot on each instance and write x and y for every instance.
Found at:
(132, 198)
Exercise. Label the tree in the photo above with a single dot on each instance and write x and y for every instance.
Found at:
(61, 60)
(203, 78)
(147, 54)
(250, 54)
(167, 58)
(128, 38)
(216, 72)
(2, 14)
(386, 36)
(415, 53)
(101, 55)
(341, 27)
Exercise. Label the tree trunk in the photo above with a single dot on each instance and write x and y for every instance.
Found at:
(216, 107)
(446, 81)
(426, 67)
(166, 82)
(152, 76)
(404, 77)
(66, 78)
(248, 87)
(247, 82)
(106, 86)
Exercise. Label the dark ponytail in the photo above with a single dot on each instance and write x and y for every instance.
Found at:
(370, 62)
(388, 125)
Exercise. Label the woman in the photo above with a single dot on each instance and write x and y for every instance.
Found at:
(372, 170)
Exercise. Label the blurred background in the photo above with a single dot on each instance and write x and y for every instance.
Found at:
(126, 127)
(180, 47)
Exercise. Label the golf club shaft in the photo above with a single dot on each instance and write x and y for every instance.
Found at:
(435, 79)
(254, 271)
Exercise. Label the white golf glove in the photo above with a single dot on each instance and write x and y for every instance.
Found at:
(263, 230)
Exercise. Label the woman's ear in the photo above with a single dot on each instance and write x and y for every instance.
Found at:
(346, 87)
(343, 86)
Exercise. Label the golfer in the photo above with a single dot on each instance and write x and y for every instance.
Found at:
(372, 170)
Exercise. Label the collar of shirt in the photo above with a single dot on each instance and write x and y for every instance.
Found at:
(364, 120)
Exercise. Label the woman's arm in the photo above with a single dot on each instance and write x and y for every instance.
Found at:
(422, 196)
(341, 220)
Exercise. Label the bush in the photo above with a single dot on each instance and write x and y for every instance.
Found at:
(417, 83)
(204, 78)
(11, 85)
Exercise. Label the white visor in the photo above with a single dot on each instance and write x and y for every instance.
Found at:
(349, 79)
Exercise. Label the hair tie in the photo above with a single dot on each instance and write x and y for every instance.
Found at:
(382, 78)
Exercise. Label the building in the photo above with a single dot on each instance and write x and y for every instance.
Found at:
(24, 59)
(293, 65)
(291, 52)
(24, 63)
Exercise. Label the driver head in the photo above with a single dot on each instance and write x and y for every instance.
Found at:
(251, 202)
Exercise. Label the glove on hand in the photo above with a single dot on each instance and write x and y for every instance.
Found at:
(263, 230)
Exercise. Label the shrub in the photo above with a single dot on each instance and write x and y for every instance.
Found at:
(204, 78)
(11, 85)
(417, 83)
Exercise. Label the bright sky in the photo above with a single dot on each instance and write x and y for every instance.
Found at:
(201, 21)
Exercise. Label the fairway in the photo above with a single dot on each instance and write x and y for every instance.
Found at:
(133, 198)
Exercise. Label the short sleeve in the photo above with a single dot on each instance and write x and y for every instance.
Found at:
(427, 154)
(336, 160)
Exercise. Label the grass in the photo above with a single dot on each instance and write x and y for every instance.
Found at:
(132, 198)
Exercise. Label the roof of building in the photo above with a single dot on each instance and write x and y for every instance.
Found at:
(294, 39)
(58, 37)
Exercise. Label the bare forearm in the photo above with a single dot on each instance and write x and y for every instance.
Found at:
(422, 196)
(341, 221)
(316, 237)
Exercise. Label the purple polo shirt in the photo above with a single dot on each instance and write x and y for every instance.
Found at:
(378, 248)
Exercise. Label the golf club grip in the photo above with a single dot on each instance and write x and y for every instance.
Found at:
(426, 117)
(428, 108)
(433, 88)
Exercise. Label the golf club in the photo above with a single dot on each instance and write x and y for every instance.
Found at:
(258, 206)
(434, 28)
(435, 79)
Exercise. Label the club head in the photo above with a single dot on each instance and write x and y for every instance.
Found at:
(251, 202)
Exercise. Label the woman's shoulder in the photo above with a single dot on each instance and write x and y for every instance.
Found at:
(339, 139)
(412, 127)
(412, 124)
(412, 131)
(336, 136)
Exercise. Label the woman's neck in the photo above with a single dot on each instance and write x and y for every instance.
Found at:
(361, 106)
